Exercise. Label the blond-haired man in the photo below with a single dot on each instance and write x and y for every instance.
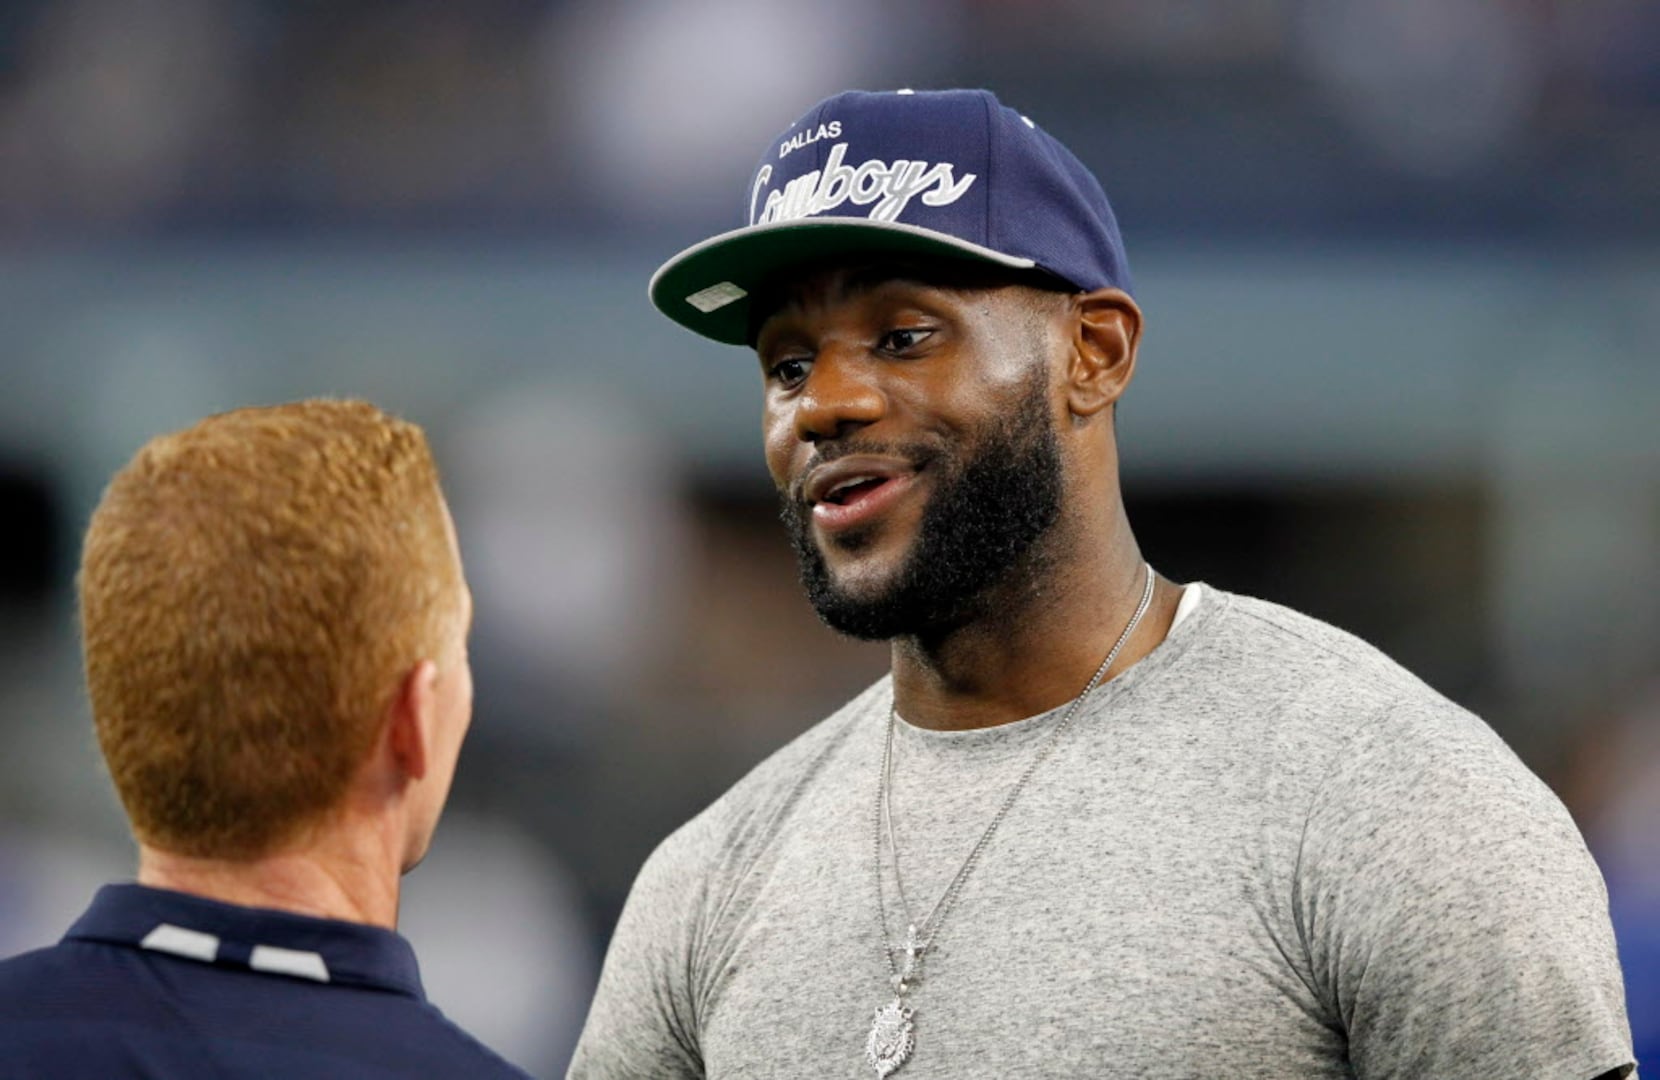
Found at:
(274, 619)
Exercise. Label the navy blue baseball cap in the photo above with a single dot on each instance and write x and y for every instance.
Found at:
(951, 173)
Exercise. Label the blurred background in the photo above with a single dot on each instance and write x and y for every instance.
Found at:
(1400, 265)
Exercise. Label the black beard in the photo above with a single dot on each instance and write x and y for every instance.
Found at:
(990, 507)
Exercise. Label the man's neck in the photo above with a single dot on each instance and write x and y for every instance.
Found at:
(327, 879)
(1036, 647)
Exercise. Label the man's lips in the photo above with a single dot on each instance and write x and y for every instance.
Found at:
(852, 490)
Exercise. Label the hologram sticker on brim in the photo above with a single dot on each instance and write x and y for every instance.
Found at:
(716, 297)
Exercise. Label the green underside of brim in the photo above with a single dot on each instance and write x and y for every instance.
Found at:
(753, 259)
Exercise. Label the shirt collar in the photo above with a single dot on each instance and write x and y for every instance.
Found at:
(260, 939)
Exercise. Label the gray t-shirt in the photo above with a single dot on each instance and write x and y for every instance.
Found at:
(1265, 850)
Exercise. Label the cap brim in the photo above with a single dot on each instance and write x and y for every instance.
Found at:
(708, 287)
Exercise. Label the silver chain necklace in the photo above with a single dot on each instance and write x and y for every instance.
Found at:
(892, 1033)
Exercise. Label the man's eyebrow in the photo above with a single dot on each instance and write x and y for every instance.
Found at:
(857, 280)
(866, 278)
(959, 275)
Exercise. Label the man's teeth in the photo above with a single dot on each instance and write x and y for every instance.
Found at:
(841, 490)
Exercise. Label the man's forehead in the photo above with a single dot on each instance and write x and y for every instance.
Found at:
(852, 275)
(842, 279)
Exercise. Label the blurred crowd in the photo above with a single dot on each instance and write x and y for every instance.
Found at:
(1402, 269)
(136, 115)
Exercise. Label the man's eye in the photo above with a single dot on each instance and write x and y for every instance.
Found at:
(898, 341)
(791, 372)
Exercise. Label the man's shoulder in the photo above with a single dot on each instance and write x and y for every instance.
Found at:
(750, 812)
(24, 970)
(90, 1008)
(804, 755)
(1343, 700)
(1288, 636)
(1304, 687)
(1279, 651)
(64, 973)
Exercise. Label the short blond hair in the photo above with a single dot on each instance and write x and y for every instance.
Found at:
(252, 590)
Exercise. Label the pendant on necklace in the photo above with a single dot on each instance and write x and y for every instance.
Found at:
(892, 1038)
(892, 1035)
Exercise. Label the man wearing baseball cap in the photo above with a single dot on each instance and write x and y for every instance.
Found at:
(1094, 823)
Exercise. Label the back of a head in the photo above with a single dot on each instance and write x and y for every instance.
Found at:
(252, 588)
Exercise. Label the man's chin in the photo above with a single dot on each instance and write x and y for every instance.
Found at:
(857, 603)
(855, 578)
(864, 622)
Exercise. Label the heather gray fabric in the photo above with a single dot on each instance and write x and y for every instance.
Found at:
(1264, 851)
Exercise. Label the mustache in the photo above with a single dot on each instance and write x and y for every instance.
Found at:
(916, 455)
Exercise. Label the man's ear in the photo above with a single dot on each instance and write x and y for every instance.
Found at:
(1106, 330)
(411, 719)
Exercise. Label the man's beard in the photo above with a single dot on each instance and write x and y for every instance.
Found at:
(991, 505)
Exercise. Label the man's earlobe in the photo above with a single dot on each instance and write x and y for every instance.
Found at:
(1106, 331)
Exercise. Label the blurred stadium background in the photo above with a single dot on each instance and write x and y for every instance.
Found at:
(1401, 270)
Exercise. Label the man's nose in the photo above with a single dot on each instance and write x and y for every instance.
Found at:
(841, 395)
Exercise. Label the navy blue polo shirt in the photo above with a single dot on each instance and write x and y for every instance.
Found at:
(153, 983)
